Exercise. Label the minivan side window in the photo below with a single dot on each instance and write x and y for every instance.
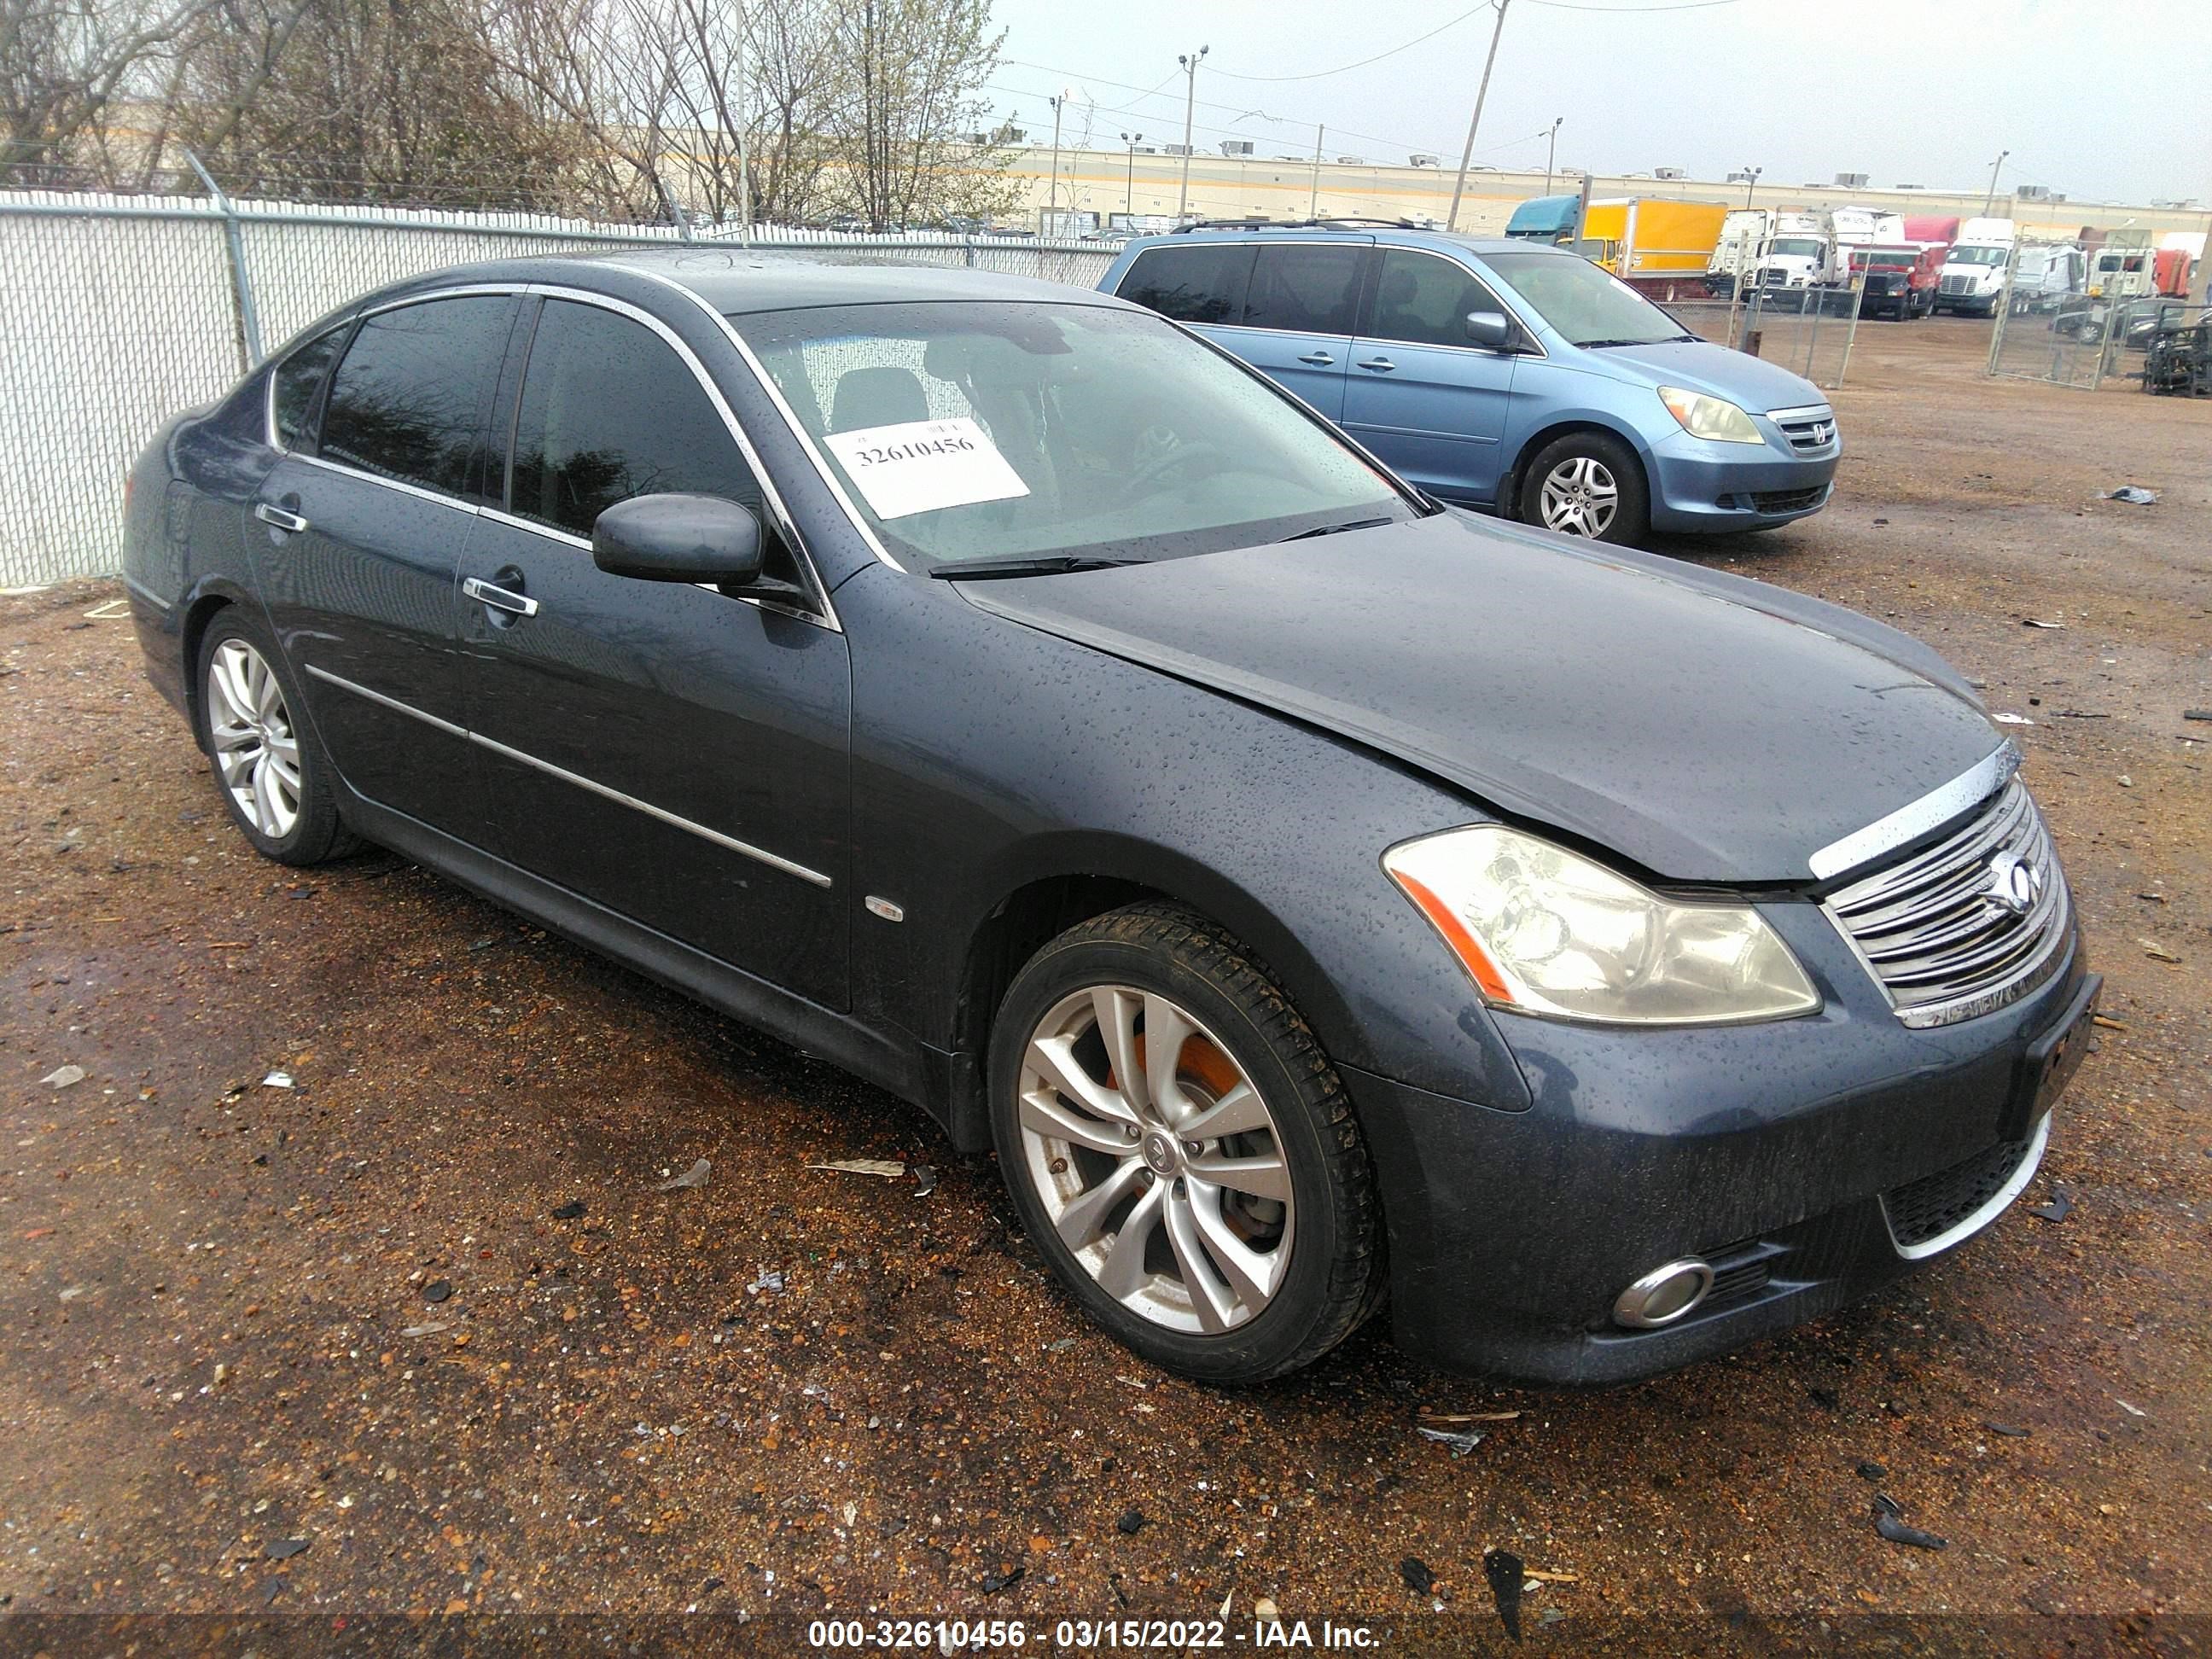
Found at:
(609, 411)
(408, 400)
(1305, 289)
(1200, 283)
(1423, 299)
(296, 382)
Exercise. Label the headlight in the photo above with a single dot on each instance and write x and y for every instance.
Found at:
(1547, 932)
(1709, 418)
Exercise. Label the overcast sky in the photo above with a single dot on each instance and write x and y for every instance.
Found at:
(2108, 101)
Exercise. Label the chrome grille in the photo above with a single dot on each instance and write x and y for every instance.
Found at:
(1956, 285)
(1964, 927)
(1808, 430)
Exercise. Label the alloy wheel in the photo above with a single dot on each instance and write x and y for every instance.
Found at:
(257, 751)
(1579, 497)
(1158, 1162)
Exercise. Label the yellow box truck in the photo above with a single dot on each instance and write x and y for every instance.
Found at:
(1658, 246)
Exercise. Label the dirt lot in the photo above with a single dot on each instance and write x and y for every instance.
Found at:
(425, 1312)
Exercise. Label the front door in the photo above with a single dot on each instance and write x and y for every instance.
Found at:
(1418, 393)
(358, 544)
(670, 752)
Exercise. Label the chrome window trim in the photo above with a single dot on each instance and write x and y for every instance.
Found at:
(1946, 801)
(607, 791)
(1802, 412)
(1487, 286)
(400, 484)
(2015, 1184)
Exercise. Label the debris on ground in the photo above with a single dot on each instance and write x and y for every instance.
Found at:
(2196, 713)
(1265, 1608)
(63, 1076)
(1428, 1416)
(277, 1080)
(992, 1582)
(1870, 1470)
(925, 1181)
(2012, 719)
(2008, 1430)
(283, 1549)
(438, 1290)
(770, 1279)
(2133, 495)
(1131, 1523)
(2033, 622)
(889, 1168)
(694, 1177)
(572, 1211)
(1415, 1571)
(2156, 952)
(1503, 1570)
(2132, 1411)
(1461, 1444)
(414, 1331)
(2057, 1209)
(1889, 1522)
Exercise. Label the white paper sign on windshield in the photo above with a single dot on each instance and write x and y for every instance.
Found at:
(919, 466)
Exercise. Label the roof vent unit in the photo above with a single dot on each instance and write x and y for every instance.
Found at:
(1850, 181)
(1236, 146)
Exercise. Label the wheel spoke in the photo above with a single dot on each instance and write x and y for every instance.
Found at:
(1054, 1057)
(1124, 1273)
(1214, 1301)
(1085, 1217)
(1115, 1010)
(1240, 1111)
(1167, 1028)
(1042, 1113)
(230, 736)
(1252, 1275)
(1262, 1175)
(229, 678)
(264, 805)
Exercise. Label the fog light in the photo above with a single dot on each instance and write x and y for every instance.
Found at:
(1663, 1295)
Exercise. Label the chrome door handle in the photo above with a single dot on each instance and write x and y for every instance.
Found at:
(278, 517)
(1318, 359)
(499, 598)
(1383, 364)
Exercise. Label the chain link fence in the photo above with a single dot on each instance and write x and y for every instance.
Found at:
(123, 310)
(2049, 329)
(1807, 331)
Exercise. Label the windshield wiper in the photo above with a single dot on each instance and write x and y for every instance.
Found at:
(1053, 564)
(1333, 529)
(1600, 345)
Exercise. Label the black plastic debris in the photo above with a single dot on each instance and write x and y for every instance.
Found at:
(569, 1212)
(1884, 1503)
(2058, 1209)
(1898, 1533)
(2196, 713)
(283, 1549)
(2008, 1431)
(1415, 1571)
(2133, 495)
(1870, 1470)
(438, 1290)
(1503, 1570)
(925, 1181)
(1131, 1524)
(995, 1582)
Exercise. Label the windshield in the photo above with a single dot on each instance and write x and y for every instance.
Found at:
(967, 430)
(1589, 307)
(1884, 259)
(1977, 256)
(1802, 247)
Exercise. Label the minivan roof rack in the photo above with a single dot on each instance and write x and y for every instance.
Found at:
(1339, 223)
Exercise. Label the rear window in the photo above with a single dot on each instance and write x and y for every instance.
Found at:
(1305, 289)
(409, 401)
(297, 382)
(1200, 283)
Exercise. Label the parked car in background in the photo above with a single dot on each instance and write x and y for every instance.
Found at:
(1504, 375)
(1315, 895)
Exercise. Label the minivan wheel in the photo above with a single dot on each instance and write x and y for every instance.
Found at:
(1587, 483)
(273, 775)
(1181, 1151)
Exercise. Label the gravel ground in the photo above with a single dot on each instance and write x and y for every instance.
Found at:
(419, 1333)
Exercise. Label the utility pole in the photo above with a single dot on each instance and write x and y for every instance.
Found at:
(1990, 200)
(1552, 154)
(1052, 195)
(1129, 189)
(1751, 184)
(1189, 62)
(1313, 199)
(1482, 91)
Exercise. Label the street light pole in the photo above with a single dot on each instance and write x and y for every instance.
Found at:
(1052, 194)
(1751, 184)
(1312, 197)
(1552, 154)
(1189, 62)
(1466, 155)
(1129, 187)
(1990, 200)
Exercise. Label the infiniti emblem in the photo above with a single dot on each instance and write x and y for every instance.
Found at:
(2014, 885)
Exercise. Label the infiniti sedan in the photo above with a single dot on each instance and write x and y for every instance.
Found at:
(1313, 895)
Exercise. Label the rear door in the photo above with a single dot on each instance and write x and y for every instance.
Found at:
(361, 529)
(1419, 393)
(1298, 314)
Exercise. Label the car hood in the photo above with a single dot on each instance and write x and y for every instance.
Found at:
(1706, 728)
(1701, 366)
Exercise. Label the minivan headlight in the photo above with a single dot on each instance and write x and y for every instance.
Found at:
(1715, 418)
(1545, 931)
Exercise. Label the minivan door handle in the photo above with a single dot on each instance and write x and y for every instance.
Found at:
(499, 598)
(1380, 365)
(278, 518)
(1318, 359)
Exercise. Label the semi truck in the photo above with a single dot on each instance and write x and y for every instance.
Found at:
(1744, 236)
(1658, 246)
(1973, 279)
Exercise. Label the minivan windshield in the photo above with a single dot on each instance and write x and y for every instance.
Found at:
(1588, 305)
(969, 431)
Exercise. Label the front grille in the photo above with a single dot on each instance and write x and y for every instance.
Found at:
(1967, 925)
(1809, 431)
(1773, 276)
(1934, 1205)
(1956, 285)
(1789, 500)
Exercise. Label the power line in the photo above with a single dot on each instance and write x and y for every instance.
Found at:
(1343, 69)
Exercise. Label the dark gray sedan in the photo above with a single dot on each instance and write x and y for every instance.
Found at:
(1312, 894)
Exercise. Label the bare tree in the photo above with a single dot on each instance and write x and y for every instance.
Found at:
(72, 73)
(920, 67)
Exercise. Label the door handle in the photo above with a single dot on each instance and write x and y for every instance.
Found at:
(499, 598)
(1381, 365)
(1318, 359)
(278, 517)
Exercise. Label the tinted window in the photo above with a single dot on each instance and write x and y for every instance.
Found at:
(1306, 290)
(408, 400)
(1425, 300)
(297, 380)
(1203, 282)
(1589, 305)
(610, 412)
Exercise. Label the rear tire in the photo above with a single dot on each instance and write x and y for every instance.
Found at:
(1588, 484)
(273, 778)
(1228, 1257)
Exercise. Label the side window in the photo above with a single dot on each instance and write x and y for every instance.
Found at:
(408, 400)
(609, 411)
(1203, 283)
(1423, 300)
(1305, 290)
(296, 382)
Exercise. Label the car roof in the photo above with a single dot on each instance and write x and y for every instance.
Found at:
(1386, 235)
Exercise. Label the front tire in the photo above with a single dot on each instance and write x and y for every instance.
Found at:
(273, 778)
(1209, 1202)
(1588, 484)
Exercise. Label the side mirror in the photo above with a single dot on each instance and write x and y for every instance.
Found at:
(1492, 329)
(678, 538)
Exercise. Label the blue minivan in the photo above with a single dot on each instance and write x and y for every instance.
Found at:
(1507, 375)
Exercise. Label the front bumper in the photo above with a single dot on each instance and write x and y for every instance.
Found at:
(1703, 489)
(1774, 1151)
